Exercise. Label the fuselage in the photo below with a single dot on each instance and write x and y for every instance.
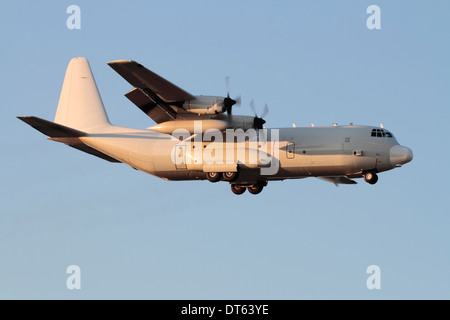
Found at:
(198, 137)
(299, 152)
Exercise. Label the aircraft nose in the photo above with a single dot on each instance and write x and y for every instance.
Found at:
(400, 155)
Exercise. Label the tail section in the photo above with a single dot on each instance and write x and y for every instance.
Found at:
(80, 111)
(80, 105)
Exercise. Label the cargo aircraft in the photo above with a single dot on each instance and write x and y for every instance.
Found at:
(199, 137)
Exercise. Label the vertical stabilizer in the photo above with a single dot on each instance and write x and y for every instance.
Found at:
(80, 105)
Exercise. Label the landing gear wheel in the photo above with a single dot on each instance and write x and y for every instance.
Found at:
(371, 177)
(256, 188)
(213, 176)
(237, 189)
(229, 176)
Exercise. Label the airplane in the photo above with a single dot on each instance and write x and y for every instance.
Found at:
(199, 137)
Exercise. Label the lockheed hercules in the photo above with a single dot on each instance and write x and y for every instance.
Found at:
(199, 137)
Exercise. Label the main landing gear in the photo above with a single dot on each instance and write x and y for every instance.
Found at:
(252, 188)
(236, 188)
(217, 176)
(371, 177)
(213, 176)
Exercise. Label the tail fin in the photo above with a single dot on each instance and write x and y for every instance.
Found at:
(80, 105)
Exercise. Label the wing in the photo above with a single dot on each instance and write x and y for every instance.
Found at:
(140, 77)
(152, 93)
(159, 112)
(338, 180)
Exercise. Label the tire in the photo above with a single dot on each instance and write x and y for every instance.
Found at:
(229, 176)
(256, 188)
(371, 177)
(237, 189)
(213, 176)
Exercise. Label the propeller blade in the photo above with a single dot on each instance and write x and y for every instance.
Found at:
(258, 122)
(227, 85)
(238, 101)
(265, 111)
(228, 103)
(252, 106)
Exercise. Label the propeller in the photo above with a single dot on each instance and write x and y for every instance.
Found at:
(228, 103)
(258, 122)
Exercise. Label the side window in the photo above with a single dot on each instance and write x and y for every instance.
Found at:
(290, 147)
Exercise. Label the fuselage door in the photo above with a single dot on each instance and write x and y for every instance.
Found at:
(180, 157)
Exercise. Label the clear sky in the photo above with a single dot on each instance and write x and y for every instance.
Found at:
(136, 236)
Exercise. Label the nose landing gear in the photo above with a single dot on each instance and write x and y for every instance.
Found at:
(371, 177)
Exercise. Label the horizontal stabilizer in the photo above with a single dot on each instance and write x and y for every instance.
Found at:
(60, 133)
(51, 129)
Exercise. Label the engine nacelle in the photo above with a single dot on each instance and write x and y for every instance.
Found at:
(219, 122)
(189, 125)
(205, 105)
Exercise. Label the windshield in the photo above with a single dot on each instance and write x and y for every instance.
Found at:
(381, 133)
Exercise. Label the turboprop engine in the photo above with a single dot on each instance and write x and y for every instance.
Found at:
(220, 122)
(205, 105)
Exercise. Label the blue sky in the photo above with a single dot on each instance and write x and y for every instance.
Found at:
(137, 236)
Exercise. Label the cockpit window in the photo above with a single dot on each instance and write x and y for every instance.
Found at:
(381, 133)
